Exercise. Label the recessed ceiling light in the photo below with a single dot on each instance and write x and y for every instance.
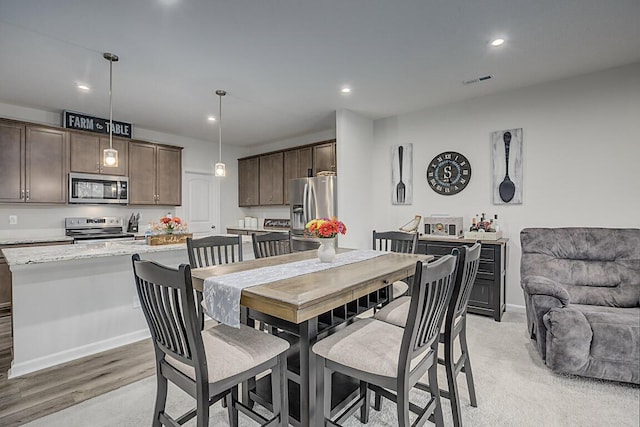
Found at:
(345, 90)
(211, 119)
(497, 42)
(82, 87)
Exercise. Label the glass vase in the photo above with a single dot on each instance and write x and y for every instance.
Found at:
(327, 249)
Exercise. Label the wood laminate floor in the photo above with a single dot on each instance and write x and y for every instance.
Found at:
(41, 393)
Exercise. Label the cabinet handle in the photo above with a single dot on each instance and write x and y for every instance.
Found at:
(21, 194)
(27, 194)
(98, 166)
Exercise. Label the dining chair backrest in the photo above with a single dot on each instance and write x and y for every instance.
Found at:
(432, 287)
(395, 241)
(468, 260)
(166, 299)
(271, 244)
(214, 250)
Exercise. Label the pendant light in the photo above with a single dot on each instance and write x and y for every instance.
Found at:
(110, 156)
(219, 167)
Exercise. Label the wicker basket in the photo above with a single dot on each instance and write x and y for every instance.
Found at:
(168, 239)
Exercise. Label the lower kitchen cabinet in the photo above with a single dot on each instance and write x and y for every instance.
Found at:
(155, 174)
(488, 292)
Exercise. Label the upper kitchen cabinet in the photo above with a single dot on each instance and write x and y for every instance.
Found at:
(155, 174)
(324, 157)
(86, 154)
(248, 182)
(271, 182)
(297, 164)
(34, 164)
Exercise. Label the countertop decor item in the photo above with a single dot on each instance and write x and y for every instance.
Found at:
(169, 224)
(327, 249)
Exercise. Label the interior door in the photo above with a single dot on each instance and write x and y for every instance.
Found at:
(200, 207)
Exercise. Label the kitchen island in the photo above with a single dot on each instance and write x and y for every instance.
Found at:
(76, 300)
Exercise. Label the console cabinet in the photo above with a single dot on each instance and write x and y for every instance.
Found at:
(488, 293)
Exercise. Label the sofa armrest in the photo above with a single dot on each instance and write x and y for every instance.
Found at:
(568, 340)
(539, 285)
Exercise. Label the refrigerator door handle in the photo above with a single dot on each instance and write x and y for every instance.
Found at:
(305, 205)
(312, 202)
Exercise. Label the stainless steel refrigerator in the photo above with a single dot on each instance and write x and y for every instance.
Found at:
(310, 198)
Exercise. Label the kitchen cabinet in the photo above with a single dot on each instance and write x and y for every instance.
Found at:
(34, 164)
(155, 174)
(248, 181)
(324, 157)
(271, 179)
(86, 151)
(297, 164)
(488, 292)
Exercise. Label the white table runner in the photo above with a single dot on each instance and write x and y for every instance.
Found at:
(222, 293)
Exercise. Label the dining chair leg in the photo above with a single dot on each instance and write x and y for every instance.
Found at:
(450, 368)
(276, 396)
(435, 394)
(364, 409)
(327, 392)
(161, 399)
(202, 405)
(467, 365)
(231, 410)
(377, 401)
(284, 390)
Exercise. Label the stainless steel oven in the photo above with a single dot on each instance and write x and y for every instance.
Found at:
(98, 189)
(99, 229)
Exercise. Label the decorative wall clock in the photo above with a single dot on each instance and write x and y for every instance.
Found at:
(449, 173)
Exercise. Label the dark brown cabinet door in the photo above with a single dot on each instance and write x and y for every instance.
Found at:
(271, 179)
(122, 146)
(142, 174)
(248, 182)
(85, 152)
(11, 162)
(47, 165)
(324, 157)
(169, 176)
(296, 165)
(5, 284)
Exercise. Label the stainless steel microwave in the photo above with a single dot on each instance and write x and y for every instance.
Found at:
(98, 189)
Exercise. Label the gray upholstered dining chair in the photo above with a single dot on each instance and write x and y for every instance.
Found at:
(206, 364)
(396, 241)
(212, 250)
(390, 359)
(455, 326)
(270, 244)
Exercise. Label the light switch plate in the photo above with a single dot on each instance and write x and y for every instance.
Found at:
(13, 219)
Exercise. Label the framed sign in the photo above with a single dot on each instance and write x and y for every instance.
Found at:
(402, 174)
(87, 123)
(506, 150)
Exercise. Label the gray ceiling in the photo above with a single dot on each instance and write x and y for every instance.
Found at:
(283, 62)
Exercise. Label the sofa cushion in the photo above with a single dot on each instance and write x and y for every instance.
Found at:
(616, 332)
(597, 266)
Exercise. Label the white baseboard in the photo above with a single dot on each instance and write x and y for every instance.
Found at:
(26, 367)
(513, 308)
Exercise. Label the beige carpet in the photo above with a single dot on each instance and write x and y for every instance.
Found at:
(513, 386)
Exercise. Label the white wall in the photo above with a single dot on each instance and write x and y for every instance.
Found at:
(354, 143)
(581, 151)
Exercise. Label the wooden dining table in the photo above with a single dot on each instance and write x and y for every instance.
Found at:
(308, 307)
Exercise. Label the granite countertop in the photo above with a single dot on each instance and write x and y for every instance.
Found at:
(44, 254)
(265, 229)
(23, 240)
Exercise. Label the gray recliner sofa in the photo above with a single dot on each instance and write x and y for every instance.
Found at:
(582, 295)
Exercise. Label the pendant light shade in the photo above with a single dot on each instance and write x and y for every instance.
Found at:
(110, 155)
(219, 168)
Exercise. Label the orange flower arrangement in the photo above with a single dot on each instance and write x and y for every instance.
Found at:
(325, 228)
(170, 224)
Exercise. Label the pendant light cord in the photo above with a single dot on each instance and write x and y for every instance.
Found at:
(220, 129)
(110, 103)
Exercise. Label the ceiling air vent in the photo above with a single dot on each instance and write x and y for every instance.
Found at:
(477, 80)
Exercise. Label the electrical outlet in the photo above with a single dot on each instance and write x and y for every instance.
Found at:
(136, 301)
(13, 219)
